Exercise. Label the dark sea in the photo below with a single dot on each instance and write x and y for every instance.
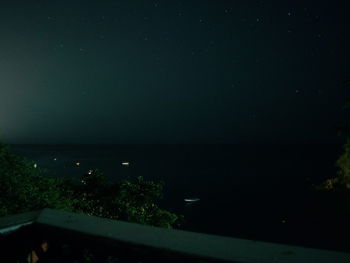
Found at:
(252, 191)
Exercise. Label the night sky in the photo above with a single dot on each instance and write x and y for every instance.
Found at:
(172, 71)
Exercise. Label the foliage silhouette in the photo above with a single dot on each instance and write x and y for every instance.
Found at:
(336, 190)
(25, 187)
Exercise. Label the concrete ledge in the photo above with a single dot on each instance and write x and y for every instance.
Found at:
(182, 242)
(10, 223)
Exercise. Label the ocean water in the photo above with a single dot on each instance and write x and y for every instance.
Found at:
(260, 192)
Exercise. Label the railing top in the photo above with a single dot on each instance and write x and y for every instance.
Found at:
(11, 222)
(178, 241)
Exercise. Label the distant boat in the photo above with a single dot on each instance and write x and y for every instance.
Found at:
(191, 200)
(125, 163)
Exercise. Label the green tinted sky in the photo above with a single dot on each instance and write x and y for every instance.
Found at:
(172, 71)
